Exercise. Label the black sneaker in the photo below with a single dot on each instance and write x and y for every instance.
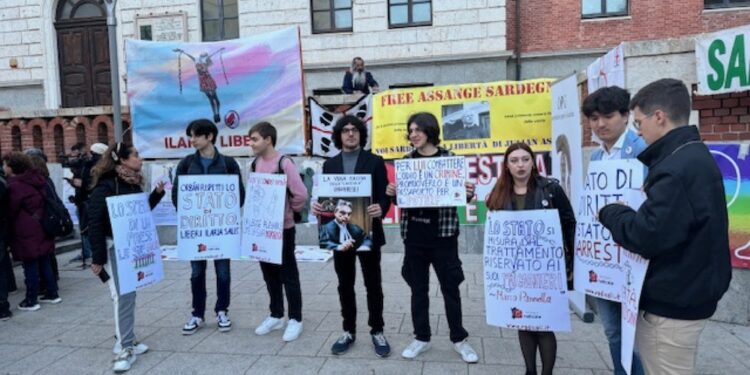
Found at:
(54, 298)
(382, 349)
(343, 343)
(25, 305)
(5, 315)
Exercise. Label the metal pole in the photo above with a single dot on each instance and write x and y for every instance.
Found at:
(114, 68)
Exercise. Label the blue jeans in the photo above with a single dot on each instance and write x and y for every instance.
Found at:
(85, 247)
(31, 272)
(610, 314)
(198, 286)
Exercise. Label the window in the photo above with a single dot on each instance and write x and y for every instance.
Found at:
(36, 136)
(603, 8)
(220, 20)
(15, 135)
(81, 133)
(713, 4)
(59, 140)
(103, 136)
(406, 13)
(70, 9)
(330, 16)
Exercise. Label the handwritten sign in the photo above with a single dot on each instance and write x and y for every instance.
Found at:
(634, 268)
(263, 223)
(343, 185)
(164, 212)
(136, 242)
(431, 182)
(69, 191)
(524, 271)
(209, 221)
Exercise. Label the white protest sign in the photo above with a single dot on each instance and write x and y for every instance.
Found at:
(524, 271)
(635, 268)
(263, 223)
(431, 182)
(164, 212)
(136, 242)
(208, 213)
(342, 185)
(69, 191)
(598, 269)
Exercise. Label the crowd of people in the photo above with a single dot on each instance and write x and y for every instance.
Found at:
(682, 228)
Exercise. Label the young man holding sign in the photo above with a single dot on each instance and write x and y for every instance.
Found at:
(608, 113)
(431, 237)
(681, 228)
(284, 277)
(207, 160)
(350, 136)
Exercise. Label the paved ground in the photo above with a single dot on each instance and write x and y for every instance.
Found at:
(75, 337)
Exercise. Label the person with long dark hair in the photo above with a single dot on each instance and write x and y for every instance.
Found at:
(520, 187)
(118, 172)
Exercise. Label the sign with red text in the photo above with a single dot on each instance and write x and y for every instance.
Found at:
(263, 223)
(431, 182)
(634, 268)
(525, 286)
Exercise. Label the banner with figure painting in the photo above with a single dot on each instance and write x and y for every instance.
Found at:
(233, 83)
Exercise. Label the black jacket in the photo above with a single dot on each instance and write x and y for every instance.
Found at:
(367, 163)
(99, 226)
(682, 228)
(221, 164)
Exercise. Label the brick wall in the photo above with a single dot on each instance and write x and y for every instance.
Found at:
(724, 117)
(647, 19)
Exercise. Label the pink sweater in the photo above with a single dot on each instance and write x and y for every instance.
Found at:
(299, 197)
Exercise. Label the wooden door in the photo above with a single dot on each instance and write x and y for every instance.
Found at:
(83, 54)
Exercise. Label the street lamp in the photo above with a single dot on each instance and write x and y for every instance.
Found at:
(114, 68)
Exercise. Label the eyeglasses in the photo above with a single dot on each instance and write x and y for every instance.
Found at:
(350, 130)
(637, 123)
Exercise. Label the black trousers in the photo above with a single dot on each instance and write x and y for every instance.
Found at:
(284, 277)
(416, 271)
(344, 262)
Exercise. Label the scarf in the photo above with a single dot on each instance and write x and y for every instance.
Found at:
(128, 175)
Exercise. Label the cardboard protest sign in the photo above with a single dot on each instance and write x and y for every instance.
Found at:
(431, 182)
(164, 213)
(344, 223)
(263, 222)
(208, 213)
(524, 271)
(136, 242)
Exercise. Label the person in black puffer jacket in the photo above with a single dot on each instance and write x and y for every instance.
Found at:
(117, 173)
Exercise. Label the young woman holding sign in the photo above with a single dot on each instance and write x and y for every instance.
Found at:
(520, 187)
(117, 173)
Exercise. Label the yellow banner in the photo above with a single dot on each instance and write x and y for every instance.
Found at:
(475, 118)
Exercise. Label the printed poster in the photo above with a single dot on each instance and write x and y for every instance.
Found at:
(475, 118)
(164, 213)
(431, 182)
(734, 162)
(233, 83)
(263, 223)
(136, 242)
(344, 223)
(208, 214)
(524, 271)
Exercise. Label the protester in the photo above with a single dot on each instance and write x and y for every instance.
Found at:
(28, 242)
(5, 263)
(608, 113)
(285, 277)
(430, 236)
(681, 228)
(350, 136)
(207, 160)
(358, 79)
(117, 173)
(520, 187)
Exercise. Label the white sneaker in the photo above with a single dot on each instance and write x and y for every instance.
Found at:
(192, 325)
(293, 330)
(268, 325)
(416, 348)
(223, 321)
(467, 352)
(124, 360)
(138, 348)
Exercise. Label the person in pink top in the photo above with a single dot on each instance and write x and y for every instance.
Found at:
(285, 276)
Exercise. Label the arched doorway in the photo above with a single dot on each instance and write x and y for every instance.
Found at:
(83, 53)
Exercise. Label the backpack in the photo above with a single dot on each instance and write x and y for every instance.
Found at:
(55, 218)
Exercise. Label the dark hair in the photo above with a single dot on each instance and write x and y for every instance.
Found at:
(77, 147)
(202, 127)
(564, 147)
(38, 164)
(427, 123)
(349, 120)
(606, 100)
(354, 60)
(503, 189)
(669, 95)
(17, 162)
(265, 130)
(114, 155)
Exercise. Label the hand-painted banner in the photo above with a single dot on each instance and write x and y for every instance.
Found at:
(477, 118)
(234, 83)
(164, 213)
(208, 214)
(136, 242)
(525, 285)
(323, 120)
(734, 162)
(431, 182)
(599, 261)
(263, 223)
(608, 70)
